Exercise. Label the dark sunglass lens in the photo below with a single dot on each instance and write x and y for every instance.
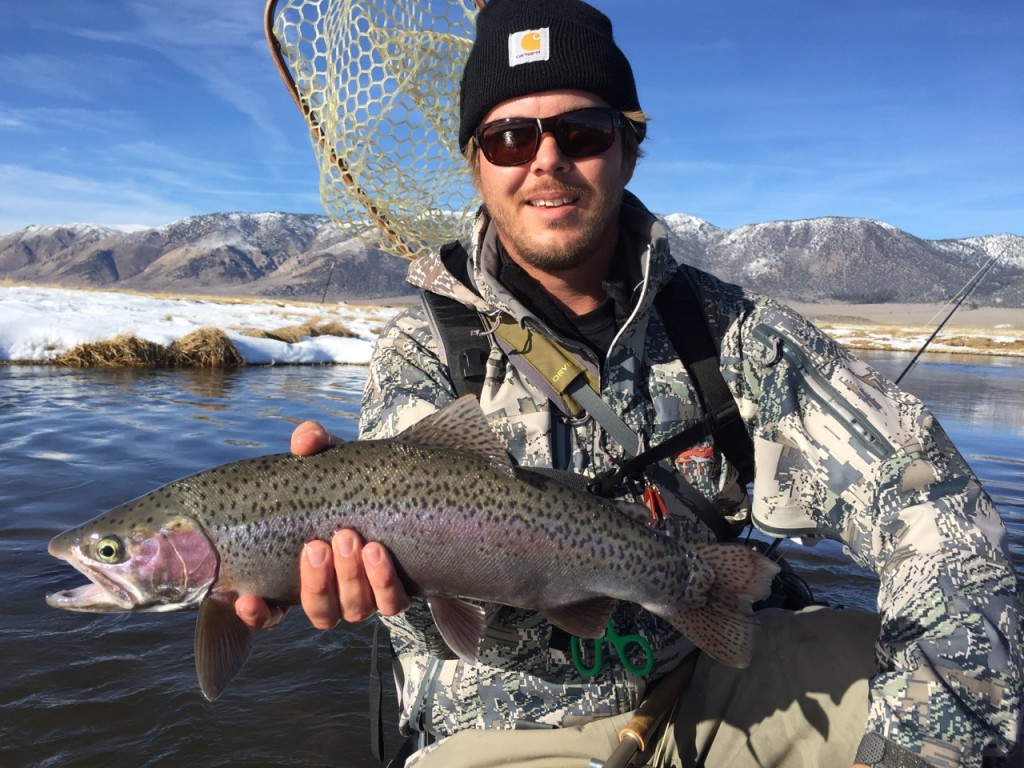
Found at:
(585, 134)
(581, 133)
(510, 143)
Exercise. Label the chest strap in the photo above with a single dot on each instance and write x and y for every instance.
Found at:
(575, 385)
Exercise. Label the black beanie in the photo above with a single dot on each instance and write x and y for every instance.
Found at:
(528, 46)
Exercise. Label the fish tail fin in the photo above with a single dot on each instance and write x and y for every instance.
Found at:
(725, 626)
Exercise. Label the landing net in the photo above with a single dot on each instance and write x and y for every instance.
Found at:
(378, 83)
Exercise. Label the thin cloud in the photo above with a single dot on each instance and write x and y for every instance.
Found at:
(74, 121)
(222, 45)
(31, 196)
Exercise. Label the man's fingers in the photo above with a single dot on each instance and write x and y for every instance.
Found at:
(309, 438)
(349, 580)
(319, 595)
(256, 614)
(388, 590)
(354, 592)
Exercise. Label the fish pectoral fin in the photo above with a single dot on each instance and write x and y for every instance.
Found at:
(222, 644)
(584, 619)
(461, 624)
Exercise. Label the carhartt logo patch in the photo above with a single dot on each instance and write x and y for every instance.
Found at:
(531, 45)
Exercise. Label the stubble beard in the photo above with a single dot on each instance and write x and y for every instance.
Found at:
(590, 235)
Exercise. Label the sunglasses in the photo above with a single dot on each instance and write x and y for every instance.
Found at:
(579, 133)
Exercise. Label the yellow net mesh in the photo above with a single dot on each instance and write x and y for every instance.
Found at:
(378, 81)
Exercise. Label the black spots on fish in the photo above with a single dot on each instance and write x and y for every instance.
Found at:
(302, 474)
(439, 486)
(356, 489)
(560, 531)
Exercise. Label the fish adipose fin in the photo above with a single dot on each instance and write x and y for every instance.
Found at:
(725, 626)
(586, 619)
(461, 624)
(223, 643)
(460, 426)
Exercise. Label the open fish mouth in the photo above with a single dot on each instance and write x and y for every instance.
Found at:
(92, 598)
(101, 594)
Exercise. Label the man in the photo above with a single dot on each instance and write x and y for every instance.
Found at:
(551, 124)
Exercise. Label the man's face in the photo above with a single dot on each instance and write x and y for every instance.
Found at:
(554, 212)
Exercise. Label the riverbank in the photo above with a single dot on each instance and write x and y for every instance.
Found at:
(906, 327)
(83, 328)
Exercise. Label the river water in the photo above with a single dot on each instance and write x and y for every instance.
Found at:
(119, 689)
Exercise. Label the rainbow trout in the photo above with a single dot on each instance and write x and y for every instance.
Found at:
(461, 522)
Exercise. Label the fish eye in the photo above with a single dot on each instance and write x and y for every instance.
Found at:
(109, 549)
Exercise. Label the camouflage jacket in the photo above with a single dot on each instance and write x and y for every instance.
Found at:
(840, 452)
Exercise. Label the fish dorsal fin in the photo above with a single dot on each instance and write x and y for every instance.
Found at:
(461, 624)
(460, 426)
(223, 643)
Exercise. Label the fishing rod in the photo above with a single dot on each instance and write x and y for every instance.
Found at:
(636, 735)
(967, 290)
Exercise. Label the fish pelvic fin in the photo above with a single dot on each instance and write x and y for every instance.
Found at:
(222, 645)
(584, 619)
(725, 626)
(461, 624)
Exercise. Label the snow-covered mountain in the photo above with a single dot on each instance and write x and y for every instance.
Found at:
(244, 254)
(850, 260)
(301, 255)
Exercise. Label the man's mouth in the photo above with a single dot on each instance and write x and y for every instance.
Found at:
(552, 202)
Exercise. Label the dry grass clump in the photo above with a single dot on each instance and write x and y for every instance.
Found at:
(985, 344)
(290, 334)
(203, 348)
(207, 348)
(121, 351)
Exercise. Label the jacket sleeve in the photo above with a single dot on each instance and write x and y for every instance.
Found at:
(842, 452)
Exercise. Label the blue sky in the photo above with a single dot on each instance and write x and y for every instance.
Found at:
(123, 112)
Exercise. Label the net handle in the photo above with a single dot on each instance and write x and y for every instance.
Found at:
(282, 68)
(311, 119)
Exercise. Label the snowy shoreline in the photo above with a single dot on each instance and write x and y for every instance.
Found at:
(37, 324)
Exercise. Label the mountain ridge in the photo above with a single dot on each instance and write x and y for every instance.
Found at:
(306, 256)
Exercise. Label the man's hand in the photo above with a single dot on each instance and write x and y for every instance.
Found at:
(345, 579)
(348, 580)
